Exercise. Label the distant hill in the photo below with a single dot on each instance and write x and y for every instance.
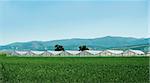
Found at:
(108, 42)
(144, 48)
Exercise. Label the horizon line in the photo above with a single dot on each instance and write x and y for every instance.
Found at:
(70, 38)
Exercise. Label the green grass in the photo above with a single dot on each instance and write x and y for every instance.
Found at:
(74, 69)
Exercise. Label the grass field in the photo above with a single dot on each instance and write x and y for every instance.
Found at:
(74, 70)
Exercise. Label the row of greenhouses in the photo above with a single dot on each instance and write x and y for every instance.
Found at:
(79, 53)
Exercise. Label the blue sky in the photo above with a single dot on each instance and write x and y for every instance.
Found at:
(50, 20)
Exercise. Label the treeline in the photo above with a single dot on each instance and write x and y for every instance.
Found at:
(61, 48)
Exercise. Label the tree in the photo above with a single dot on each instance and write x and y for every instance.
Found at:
(59, 48)
(83, 47)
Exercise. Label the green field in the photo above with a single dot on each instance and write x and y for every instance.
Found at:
(74, 70)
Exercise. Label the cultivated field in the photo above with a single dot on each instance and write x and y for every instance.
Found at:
(74, 69)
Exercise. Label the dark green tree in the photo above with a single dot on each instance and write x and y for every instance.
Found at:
(83, 47)
(59, 48)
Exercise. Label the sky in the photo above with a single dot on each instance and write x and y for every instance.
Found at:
(25, 20)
